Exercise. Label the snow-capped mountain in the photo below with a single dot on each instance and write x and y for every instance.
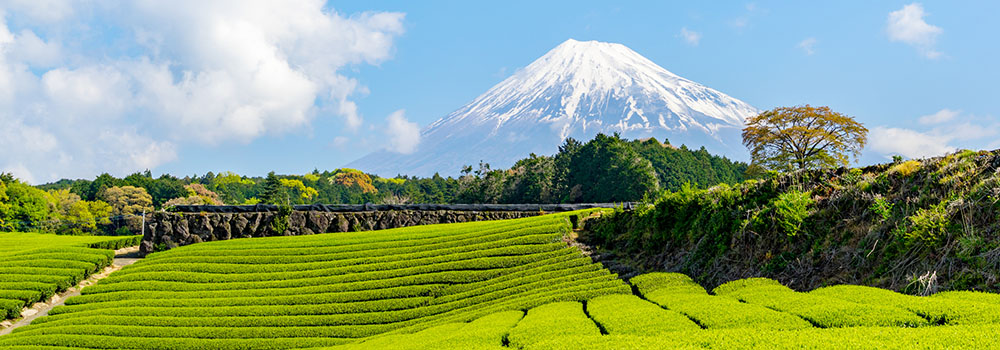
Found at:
(575, 90)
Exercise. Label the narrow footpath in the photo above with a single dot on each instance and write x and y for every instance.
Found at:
(123, 257)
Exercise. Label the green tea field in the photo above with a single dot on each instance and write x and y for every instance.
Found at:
(35, 266)
(481, 285)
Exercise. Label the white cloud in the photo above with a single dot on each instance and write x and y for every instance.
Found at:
(194, 72)
(404, 135)
(907, 25)
(41, 10)
(944, 115)
(340, 141)
(948, 131)
(808, 45)
(908, 143)
(690, 36)
(34, 51)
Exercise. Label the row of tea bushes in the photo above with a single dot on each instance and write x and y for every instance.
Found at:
(35, 266)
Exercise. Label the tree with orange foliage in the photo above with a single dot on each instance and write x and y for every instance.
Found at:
(352, 177)
(803, 137)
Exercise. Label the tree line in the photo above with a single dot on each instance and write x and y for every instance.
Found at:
(607, 168)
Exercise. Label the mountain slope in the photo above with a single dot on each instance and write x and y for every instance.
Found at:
(575, 90)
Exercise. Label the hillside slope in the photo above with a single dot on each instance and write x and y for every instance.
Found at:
(915, 226)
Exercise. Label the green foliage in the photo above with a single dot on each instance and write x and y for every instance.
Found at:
(605, 169)
(628, 314)
(928, 225)
(855, 338)
(704, 219)
(819, 309)
(556, 319)
(678, 292)
(302, 193)
(280, 223)
(676, 167)
(487, 332)
(608, 169)
(882, 208)
(791, 209)
(34, 266)
(22, 207)
(938, 310)
(273, 192)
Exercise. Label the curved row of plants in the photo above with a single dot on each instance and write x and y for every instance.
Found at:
(674, 312)
(33, 266)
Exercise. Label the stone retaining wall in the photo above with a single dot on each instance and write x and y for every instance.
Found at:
(166, 230)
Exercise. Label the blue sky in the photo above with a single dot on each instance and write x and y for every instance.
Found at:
(189, 87)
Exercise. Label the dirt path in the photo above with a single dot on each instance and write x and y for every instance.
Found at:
(123, 257)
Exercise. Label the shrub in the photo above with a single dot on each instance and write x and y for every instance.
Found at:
(556, 319)
(791, 209)
(928, 225)
(628, 314)
(905, 168)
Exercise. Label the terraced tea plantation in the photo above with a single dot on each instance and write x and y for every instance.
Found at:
(482, 285)
(35, 266)
(324, 290)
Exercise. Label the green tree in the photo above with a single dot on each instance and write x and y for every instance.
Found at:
(607, 169)
(74, 215)
(233, 188)
(22, 207)
(532, 180)
(165, 188)
(128, 200)
(803, 137)
(5, 208)
(303, 193)
(273, 192)
(101, 183)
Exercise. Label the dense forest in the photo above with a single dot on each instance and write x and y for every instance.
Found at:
(607, 168)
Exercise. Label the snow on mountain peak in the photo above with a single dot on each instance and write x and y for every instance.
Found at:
(577, 89)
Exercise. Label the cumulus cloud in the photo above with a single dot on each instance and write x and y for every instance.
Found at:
(690, 36)
(185, 72)
(907, 25)
(908, 143)
(404, 135)
(808, 45)
(945, 131)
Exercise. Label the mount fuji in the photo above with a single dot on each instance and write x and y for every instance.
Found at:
(578, 89)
